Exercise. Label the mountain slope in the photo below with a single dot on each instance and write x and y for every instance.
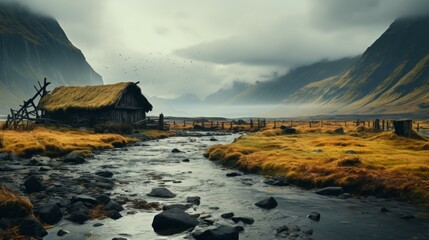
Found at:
(33, 47)
(392, 76)
(275, 90)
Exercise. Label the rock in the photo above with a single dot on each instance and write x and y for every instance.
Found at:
(344, 196)
(30, 227)
(173, 221)
(175, 150)
(233, 174)
(408, 217)
(227, 215)
(79, 216)
(288, 130)
(103, 199)
(50, 214)
(33, 184)
(350, 152)
(161, 193)
(115, 215)
(73, 158)
(193, 200)
(334, 191)
(178, 206)
(45, 168)
(212, 139)
(221, 232)
(383, 209)
(186, 160)
(277, 181)
(119, 238)
(62, 232)
(84, 199)
(208, 222)
(97, 224)
(78, 212)
(315, 216)
(4, 156)
(112, 205)
(96, 181)
(267, 203)
(246, 220)
(106, 174)
(339, 130)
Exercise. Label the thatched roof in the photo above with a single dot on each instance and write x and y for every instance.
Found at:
(90, 97)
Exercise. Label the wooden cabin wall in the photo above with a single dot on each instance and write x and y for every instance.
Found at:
(129, 100)
(127, 115)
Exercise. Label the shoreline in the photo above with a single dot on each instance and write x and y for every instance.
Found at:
(319, 160)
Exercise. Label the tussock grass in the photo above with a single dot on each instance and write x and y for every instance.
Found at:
(363, 162)
(13, 205)
(156, 134)
(58, 142)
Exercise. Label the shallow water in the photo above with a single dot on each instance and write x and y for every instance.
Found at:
(135, 166)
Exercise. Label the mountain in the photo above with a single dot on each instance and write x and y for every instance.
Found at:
(391, 77)
(277, 89)
(32, 47)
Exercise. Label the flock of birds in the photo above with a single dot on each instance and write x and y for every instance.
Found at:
(133, 68)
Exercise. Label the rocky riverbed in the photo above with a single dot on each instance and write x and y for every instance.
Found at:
(200, 199)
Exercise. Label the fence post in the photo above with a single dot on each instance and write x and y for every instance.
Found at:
(265, 124)
(251, 123)
(275, 123)
(184, 123)
(418, 127)
(161, 122)
(231, 125)
(376, 124)
(211, 124)
(309, 123)
(403, 128)
(223, 125)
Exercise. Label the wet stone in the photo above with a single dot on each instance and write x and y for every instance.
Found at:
(50, 214)
(62, 232)
(194, 200)
(106, 174)
(246, 220)
(33, 184)
(233, 174)
(175, 150)
(32, 228)
(227, 215)
(161, 193)
(173, 221)
(268, 203)
(383, 209)
(334, 191)
(115, 215)
(73, 159)
(221, 232)
(177, 206)
(315, 216)
(97, 224)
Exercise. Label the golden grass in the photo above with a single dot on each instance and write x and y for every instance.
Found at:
(85, 97)
(156, 134)
(9, 200)
(58, 142)
(377, 164)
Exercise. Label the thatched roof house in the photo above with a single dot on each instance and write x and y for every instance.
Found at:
(90, 105)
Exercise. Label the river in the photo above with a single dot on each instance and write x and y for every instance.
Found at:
(136, 166)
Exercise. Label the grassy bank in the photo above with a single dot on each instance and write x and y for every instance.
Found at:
(362, 162)
(57, 142)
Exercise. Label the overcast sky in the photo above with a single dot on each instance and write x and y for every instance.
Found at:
(193, 46)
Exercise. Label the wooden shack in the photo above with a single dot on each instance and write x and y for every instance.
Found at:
(90, 105)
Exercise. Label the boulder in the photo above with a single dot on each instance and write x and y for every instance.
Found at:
(334, 191)
(79, 216)
(175, 150)
(173, 221)
(73, 159)
(178, 206)
(315, 216)
(227, 215)
(62, 232)
(30, 227)
(221, 232)
(233, 174)
(113, 206)
(194, 200)
(106, 174)
(50, 214)
(246, 220)
(103, 199)
(33, 184)
(161, 193)
(268, 203)
(115, 215)
(84, 199)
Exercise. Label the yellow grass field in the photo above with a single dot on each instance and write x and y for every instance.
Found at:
(362, 162)
(57, 142)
